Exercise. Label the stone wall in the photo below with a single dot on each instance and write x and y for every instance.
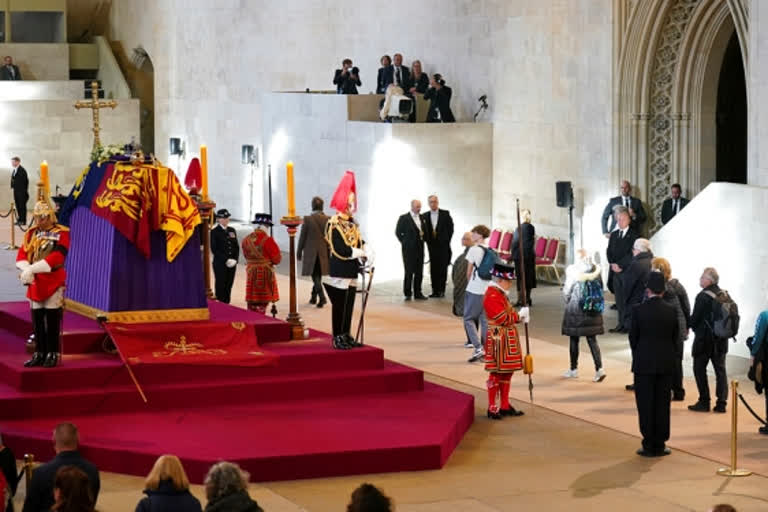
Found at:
(545, 66)
(56, 132)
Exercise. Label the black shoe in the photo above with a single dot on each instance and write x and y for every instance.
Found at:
(614, 307)
(51, 360)
(421, 297)
(699, 407)
(441, 295)
(350, 341)
(665, 451)
(407, 297)
(321, 303)
(313, 300)
(678, 397)
(629, 387)
(618, 329)
(434, 295)
(494, 415)
(38, 358)
(763, 430)
(720, 407)
(511, 412)
(339, 343)
(645, 453)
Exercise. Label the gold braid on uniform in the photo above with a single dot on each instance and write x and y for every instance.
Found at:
(348, 230)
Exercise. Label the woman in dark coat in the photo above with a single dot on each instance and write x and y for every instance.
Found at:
(529, 257)
(577, 322)
(381, 77)
(226, 487)
(167, 488)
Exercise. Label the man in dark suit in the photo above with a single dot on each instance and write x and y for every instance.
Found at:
(9, 71)
(632, 204)
(619, 255)
(653, 337)
(347, 78)
(313, 250)
(439, 96)
(673, 205)
(410, 232)
(634, 277)
(225, 251)
(398, 74)
(40, 492)
(20, 187)
(438, 235)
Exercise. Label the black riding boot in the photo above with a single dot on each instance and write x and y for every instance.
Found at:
(53, 321)
(38, 323)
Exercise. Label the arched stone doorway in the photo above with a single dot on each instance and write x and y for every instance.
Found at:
(672, 57)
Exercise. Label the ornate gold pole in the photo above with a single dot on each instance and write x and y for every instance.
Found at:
(29, 466)
(294, 318)
(733, 470)
(206, 214)
(13, 227)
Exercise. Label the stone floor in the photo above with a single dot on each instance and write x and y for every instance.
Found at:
(574, 447)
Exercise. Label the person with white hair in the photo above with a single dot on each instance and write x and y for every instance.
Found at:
(708, 347)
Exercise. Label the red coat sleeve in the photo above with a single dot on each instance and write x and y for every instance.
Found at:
(272, 251)
(498, 309)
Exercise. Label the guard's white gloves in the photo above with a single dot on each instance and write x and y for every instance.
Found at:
(22, 265)
(357, 253)
(230, 263)
(524, 314)
(26, 277)
(28, 274)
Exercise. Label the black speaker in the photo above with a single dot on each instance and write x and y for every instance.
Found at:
(564, 194)
(174, 146)
(246, 154)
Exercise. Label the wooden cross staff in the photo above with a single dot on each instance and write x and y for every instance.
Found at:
(95, 105)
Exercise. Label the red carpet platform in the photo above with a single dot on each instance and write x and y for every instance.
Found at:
(317, 412)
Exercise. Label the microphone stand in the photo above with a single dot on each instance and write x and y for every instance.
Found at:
(484, 106)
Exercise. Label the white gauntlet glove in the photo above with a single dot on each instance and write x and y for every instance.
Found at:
(230, 263)
(357, 253)
(524, 314)
(28, 274)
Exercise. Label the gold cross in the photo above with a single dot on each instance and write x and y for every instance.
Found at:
(95, 105)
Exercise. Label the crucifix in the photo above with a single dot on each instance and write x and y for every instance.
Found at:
(95, 105)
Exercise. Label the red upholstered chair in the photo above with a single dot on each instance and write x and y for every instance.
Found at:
(540, 247)
(493, 241)
(550, 259)
(505, 247)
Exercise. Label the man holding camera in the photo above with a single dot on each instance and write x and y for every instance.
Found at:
(347, 78)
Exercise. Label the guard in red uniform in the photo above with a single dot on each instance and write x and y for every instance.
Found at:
(41, 261)
(503, 356)
(261, 254)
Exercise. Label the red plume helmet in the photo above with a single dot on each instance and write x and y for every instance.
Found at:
(194, 177)
(341, 198)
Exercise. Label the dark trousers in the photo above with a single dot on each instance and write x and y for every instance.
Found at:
(342, 306)
(652, 396)
(593, 347)
(47, 326)
(317, 281)
(677, 374)
(617, 291)
(225, 278)
(700, 363)
(439, 258)
(414, 273)
(20, 200)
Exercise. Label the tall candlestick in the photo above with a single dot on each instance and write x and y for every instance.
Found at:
(291, 197)
(44, 178)
(204, 173)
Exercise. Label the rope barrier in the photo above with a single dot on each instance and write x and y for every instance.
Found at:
(734, 470)
(757, 417)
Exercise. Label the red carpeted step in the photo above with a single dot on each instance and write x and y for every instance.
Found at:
(274, 441)
(392, 377)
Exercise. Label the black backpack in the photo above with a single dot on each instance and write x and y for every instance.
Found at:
(725, 315)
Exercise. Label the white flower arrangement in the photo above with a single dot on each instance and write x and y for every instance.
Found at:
(103, 153)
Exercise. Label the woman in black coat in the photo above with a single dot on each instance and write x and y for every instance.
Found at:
(576, 321)
(439, 96)
(419, 79)
(381, 82)
(226, 487)
(167, 488)
(529, 257)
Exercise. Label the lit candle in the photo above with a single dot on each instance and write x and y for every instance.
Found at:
(204, 174)
(44, 178)
(291, 198)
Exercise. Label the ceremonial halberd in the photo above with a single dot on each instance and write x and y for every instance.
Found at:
(135, 245)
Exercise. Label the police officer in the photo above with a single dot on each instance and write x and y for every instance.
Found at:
(225, 250)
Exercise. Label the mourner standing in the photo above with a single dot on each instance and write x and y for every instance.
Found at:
(439, 232)
(313, 250)
(225, 251)
(410, 232)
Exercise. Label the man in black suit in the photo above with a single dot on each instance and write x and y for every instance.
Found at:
(9, 71)
(439, 96)
(347, 78)
(410, 231)
(225, 251)
(634, 277)
(20, 187)
(653, 337)
(400, 75)
(40, 492)
(673, 205)
(619, 255)
(632, 204)
(439, 232)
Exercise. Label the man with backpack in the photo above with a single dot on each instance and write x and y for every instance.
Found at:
(711, 340)
(480, 262)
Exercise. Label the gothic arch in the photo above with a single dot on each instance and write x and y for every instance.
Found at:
(669, 56)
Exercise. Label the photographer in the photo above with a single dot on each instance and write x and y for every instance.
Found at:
(439, 95)
(347, 78)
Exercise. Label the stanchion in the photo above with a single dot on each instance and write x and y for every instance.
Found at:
(29, 466)
(733, 470)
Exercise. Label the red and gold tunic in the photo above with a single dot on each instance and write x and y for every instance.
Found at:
(52, 246)
(261, 254)
(502, 346)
